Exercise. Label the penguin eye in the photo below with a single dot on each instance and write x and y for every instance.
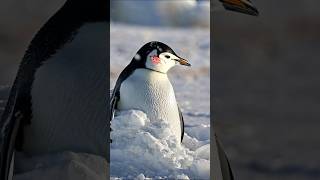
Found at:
(167, 56)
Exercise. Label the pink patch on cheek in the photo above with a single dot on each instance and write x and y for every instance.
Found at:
(155, 59)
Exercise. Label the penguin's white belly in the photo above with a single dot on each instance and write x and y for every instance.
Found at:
(152, 93)
(68, 113)
(68, 102)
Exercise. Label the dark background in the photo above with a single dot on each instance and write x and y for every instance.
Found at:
(266, 89)
(19, 22)
(266, 81)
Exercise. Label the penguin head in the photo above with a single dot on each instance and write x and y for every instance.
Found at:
(158, 56)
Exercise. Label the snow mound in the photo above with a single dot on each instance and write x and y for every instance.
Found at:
(144, 149)
(60, 166)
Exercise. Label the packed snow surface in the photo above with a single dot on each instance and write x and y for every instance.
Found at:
(141, 146)
(144, 148)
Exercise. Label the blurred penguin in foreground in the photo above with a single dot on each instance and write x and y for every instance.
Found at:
(221, 168)
(53, 125)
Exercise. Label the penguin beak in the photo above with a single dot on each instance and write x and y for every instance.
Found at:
(183, 62)
(242, 6)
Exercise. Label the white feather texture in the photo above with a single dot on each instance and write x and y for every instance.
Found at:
(152, 93)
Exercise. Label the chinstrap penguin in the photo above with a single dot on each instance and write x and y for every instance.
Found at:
(144, 85)
(58, 99)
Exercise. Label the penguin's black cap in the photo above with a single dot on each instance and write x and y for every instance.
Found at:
(154, 45)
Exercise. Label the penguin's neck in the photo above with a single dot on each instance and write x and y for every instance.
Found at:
(68, 95)
(150, 74)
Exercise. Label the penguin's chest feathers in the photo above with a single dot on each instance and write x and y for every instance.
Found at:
(68, 98)
(152, 93)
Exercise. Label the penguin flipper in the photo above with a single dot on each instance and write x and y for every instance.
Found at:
(113, 103)
(9, 126)
(181, 123)
(115, 96)
(116, 91)
(224, 163)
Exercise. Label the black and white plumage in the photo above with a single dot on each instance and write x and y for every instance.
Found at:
(57, 100)
(144, 85)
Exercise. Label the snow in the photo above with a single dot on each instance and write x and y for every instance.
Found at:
(62, 165)
(143, 148)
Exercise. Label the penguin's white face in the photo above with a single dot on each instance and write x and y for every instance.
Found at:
(164, 61)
